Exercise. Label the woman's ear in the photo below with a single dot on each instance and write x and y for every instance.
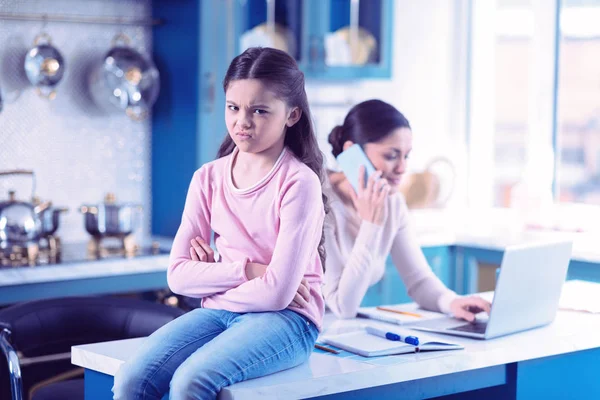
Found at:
(347, 145)
(293, 117)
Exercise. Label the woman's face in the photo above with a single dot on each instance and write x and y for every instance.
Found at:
(390, 155)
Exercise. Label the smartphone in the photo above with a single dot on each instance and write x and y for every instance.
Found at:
(350, 160)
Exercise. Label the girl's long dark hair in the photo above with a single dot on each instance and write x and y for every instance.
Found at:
(280, 73)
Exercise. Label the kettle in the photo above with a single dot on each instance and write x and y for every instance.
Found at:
(20, 221)
(431, 188)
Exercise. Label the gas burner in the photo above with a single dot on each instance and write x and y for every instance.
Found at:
(104, 247)
(19, 256)
(46, 251)
(50, 251)
(50, 247)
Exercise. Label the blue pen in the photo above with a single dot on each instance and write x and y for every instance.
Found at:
(393, 336)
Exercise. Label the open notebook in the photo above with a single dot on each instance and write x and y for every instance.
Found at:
(412, 314)
(367, 345)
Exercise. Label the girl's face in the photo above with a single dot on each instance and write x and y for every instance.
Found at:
(390, 155)
(256, 119)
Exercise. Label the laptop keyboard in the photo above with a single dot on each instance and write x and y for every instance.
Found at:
(477, 327)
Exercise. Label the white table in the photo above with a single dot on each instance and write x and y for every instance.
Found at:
(556, 361)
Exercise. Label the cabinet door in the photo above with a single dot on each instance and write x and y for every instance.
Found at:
(272, 23)
(439, 259)
(216, 52)
(350, 39)
(192, 54)
(395, 291)
(374, 296)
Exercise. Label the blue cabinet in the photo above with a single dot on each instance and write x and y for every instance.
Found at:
(391, 289)
(350, 39)
(441, 260)
(330, 39)
(192, 53)
(194, 48)
(374, 296)
(273, 23)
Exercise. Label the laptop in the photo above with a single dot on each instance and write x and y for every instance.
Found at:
(527, 293)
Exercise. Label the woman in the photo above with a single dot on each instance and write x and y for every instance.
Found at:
(363, 228)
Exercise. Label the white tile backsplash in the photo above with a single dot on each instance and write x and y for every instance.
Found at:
(77, 151)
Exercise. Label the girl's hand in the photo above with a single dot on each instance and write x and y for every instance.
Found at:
(302, 296)
(370, 200)
(200, 251)
(255, 270)
(467, 307)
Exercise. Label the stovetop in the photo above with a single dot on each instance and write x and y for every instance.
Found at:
(80, 252)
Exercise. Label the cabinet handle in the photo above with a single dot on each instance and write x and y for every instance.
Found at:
(316, 52)
(354, 13)
(436, 264)
(210, 92)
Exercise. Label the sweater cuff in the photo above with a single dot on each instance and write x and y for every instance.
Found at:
(445, 300)
(243, 269)
(369, 235)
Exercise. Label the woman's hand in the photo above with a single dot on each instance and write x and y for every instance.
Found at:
(302, 296)
(200, 251)
(255, 270)
(370, 200)
(467, 307)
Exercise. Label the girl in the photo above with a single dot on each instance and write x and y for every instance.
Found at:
(363, 228)
(261, 304)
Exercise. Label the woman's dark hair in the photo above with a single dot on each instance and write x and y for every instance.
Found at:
(367, 122)
(280, 73)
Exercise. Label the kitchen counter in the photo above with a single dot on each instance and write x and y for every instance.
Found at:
(554, 350)
(490, 230)
(86, 277)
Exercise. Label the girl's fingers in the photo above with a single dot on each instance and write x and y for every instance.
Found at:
(304, 291)
(193, 254)
(300, 301)
(199, 250)
(207, 249)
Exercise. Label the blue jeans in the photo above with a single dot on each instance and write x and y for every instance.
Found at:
(199, 353)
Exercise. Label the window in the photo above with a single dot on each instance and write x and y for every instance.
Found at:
(535, 74)
(512, 48)
(578, 127)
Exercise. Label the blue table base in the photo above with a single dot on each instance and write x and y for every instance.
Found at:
(567, 376)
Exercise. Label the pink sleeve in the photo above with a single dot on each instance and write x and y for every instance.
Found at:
(197, 278)
(301, 222)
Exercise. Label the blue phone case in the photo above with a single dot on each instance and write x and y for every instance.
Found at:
(349, 161)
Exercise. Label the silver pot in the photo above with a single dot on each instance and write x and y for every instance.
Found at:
(44, 66)
(125, 80)
(109, 219)
(50, 218)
